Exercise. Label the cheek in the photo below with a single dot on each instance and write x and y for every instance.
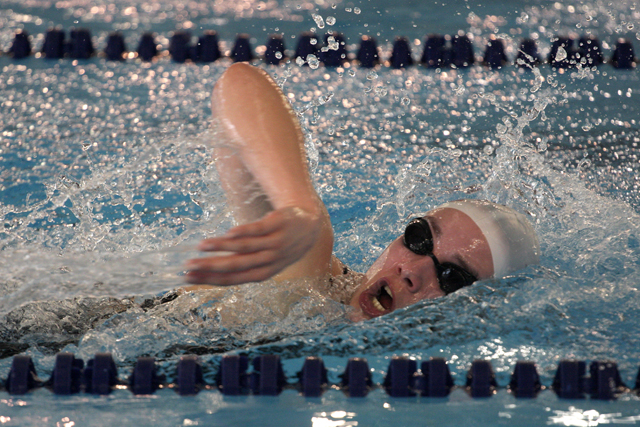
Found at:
(377, 266)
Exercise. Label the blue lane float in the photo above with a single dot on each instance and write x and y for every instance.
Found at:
(66, 377)
(462, 55)
(22, 377)
(189, 379)
(232, 377)
(401, 55)
(590, 51)
(356, 379)
(368, 56)
(434, 378)
(440, 51)
(334, 51)
(525, 381)
(144, 379)
(528, 55)
(147, 47)
(80, 45)
(313, 377)
(53, 46)
(481, 381)
(274, 50)
(208, 48)
(21, 46)
(307, 45)
(399, 381)
(264, 376)
(100, 375)
(116, 47)
(604, 380)
(242, 51)
(623, 55)
(267, 378)
(180, 46)
(495, 56)
(435, 53)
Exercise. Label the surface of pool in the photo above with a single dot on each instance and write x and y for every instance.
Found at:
(105, 170)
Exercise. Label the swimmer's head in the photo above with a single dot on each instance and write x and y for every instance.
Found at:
(451, 247)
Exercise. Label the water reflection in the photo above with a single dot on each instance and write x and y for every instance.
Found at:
(589, 418)
(334, 419)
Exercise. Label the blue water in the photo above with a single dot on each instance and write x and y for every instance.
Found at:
(105, 169)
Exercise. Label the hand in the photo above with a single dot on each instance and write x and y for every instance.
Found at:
(259, 250)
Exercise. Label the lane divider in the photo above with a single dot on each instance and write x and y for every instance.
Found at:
(440, 51)
(265, 376)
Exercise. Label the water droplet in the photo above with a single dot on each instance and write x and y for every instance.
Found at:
(629, 26)
(459, 90)
(313, 61)
(313, 41)
(278, 55)
(352, 73)
(347, 9)
(405, 101)
(542, 145)
(357, 10)
(488, 149)
(300, 61)
(372, 75)
(86, 146)
(584, 164)
(380, 91)
(318, 19)
(561, 54)
(331, 20)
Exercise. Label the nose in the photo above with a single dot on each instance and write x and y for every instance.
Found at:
(417, 273)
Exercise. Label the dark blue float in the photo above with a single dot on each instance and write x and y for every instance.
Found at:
(116, 48)
(367, 55)
(21, 46)
(401, 54)
(274, 50)
(265, 376)
(242, 51)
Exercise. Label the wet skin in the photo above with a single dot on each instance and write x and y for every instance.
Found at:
(400, 277)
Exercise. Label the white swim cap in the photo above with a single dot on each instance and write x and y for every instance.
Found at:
(511, 237)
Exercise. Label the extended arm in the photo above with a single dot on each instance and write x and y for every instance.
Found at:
(285, 227)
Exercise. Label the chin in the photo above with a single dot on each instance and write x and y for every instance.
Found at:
(357, 316)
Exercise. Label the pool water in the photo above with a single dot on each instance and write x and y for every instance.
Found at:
(106, 182)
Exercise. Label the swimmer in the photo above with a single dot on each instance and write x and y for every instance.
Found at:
(285, 232)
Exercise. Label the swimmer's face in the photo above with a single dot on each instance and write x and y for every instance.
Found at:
(400, 277)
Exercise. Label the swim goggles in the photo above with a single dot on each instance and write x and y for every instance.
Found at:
(419, 240)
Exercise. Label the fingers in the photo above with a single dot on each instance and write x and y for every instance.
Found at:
(270, 223)
(234, 269)
(259, 249)
(242, 245)
(232, 263)
(255, 236)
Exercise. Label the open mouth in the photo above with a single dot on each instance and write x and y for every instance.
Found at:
(383, 299)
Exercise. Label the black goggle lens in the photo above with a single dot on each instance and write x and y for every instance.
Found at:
(419, 240)
(418, 237)
(451, 278)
